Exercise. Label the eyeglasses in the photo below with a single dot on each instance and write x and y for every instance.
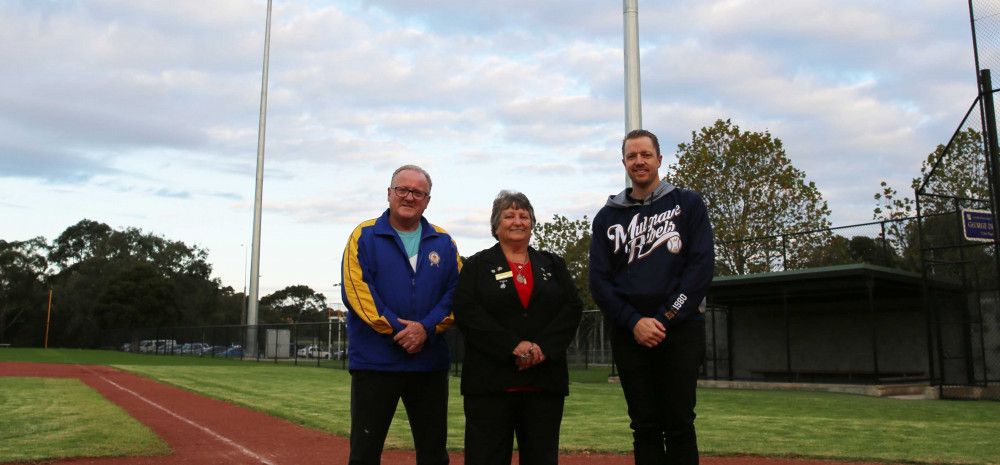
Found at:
(402, 192)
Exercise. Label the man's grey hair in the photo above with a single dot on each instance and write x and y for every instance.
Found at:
(509, 199)
(413, 168)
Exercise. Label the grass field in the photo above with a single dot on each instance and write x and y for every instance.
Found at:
(773, 423)
(50, 417)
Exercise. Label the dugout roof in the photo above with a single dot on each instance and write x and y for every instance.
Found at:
(829, 283)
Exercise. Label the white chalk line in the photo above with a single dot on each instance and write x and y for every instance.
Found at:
(218, 436)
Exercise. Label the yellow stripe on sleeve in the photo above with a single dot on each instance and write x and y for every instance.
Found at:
(358, 293)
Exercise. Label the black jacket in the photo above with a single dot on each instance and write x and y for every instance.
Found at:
(493, 321)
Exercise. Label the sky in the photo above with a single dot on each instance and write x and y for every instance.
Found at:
(145, 113)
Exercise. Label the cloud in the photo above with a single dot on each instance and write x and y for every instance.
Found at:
(577, 18)
(171, 193)
(152, 107)
(57, 166)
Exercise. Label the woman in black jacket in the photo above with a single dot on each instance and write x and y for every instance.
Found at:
(518, 311)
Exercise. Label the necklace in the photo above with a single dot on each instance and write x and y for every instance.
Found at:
(520, 272)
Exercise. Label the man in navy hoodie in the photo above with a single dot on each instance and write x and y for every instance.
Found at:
(651, 262)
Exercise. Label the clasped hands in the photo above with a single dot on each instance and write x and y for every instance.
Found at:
(527, 354)
(649, 332)
(412, 337)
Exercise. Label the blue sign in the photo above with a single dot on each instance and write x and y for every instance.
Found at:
(977, 225)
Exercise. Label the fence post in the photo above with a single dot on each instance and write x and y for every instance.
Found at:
(784, 252)
(873, 317)
(788, 335)
(715, 354)
(275, 343)
(885, 246)
(992, 154)
(295, 344)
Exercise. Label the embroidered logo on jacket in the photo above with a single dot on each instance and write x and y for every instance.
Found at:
(434, 258)
(645, 234)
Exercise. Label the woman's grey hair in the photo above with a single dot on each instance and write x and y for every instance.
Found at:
(509, 199)
(412, 168)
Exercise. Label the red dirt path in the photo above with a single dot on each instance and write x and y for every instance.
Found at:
(208, 431)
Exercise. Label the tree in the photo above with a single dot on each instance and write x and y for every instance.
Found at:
(955, 177)
(92, 241)
(956, 170)
(106, 279)
(961, 173)
(111, 280)
(569, 239)
(23, 275)
(839, 250)
(753, 193)
(896, 214)
(293, 304)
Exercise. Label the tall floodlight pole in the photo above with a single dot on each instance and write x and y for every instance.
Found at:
(251, 339)
(633, 100)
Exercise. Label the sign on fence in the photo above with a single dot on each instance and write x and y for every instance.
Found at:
(977, 225)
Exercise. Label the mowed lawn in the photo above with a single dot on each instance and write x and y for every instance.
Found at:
(730, 422)
(52, 417)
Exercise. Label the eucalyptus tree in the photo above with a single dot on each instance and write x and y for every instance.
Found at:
(569, 239)
(753, 194)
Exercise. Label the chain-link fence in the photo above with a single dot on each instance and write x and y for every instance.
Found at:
(955, 190)
(888, 243)
(321, 344)
(311, 343)
(956, 202)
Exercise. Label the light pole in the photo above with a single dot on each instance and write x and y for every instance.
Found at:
(243, 310)
(633, 99)
(329, 334)
(251, 337)
(340, 329)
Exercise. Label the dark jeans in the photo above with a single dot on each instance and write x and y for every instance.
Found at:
(659, 385)
(374, 396)
(491, 421)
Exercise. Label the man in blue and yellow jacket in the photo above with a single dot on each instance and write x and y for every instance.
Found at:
(399, 276)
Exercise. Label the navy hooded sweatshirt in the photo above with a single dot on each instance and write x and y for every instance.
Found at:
(652, 257)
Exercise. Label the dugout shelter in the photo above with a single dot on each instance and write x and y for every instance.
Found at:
(855, 323)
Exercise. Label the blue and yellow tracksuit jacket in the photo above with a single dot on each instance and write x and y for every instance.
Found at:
(379, 286)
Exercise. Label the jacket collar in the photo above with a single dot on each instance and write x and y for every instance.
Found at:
(538, 260)
(383, 228)
(622, 200)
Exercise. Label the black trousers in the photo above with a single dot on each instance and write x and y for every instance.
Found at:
(374, 397)
(659, 385)
(492, 421)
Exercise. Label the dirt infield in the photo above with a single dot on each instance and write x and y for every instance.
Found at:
(208, 431)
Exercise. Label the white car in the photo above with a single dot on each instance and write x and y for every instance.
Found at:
(313, 352)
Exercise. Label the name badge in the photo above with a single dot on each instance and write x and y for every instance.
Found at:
(504, 275)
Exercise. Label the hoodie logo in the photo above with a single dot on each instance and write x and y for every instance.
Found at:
(646, 234)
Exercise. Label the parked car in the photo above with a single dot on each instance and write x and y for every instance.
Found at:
(313, 352)
(193, 348)
(216, 350)
(234, 350)
(158, 346)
